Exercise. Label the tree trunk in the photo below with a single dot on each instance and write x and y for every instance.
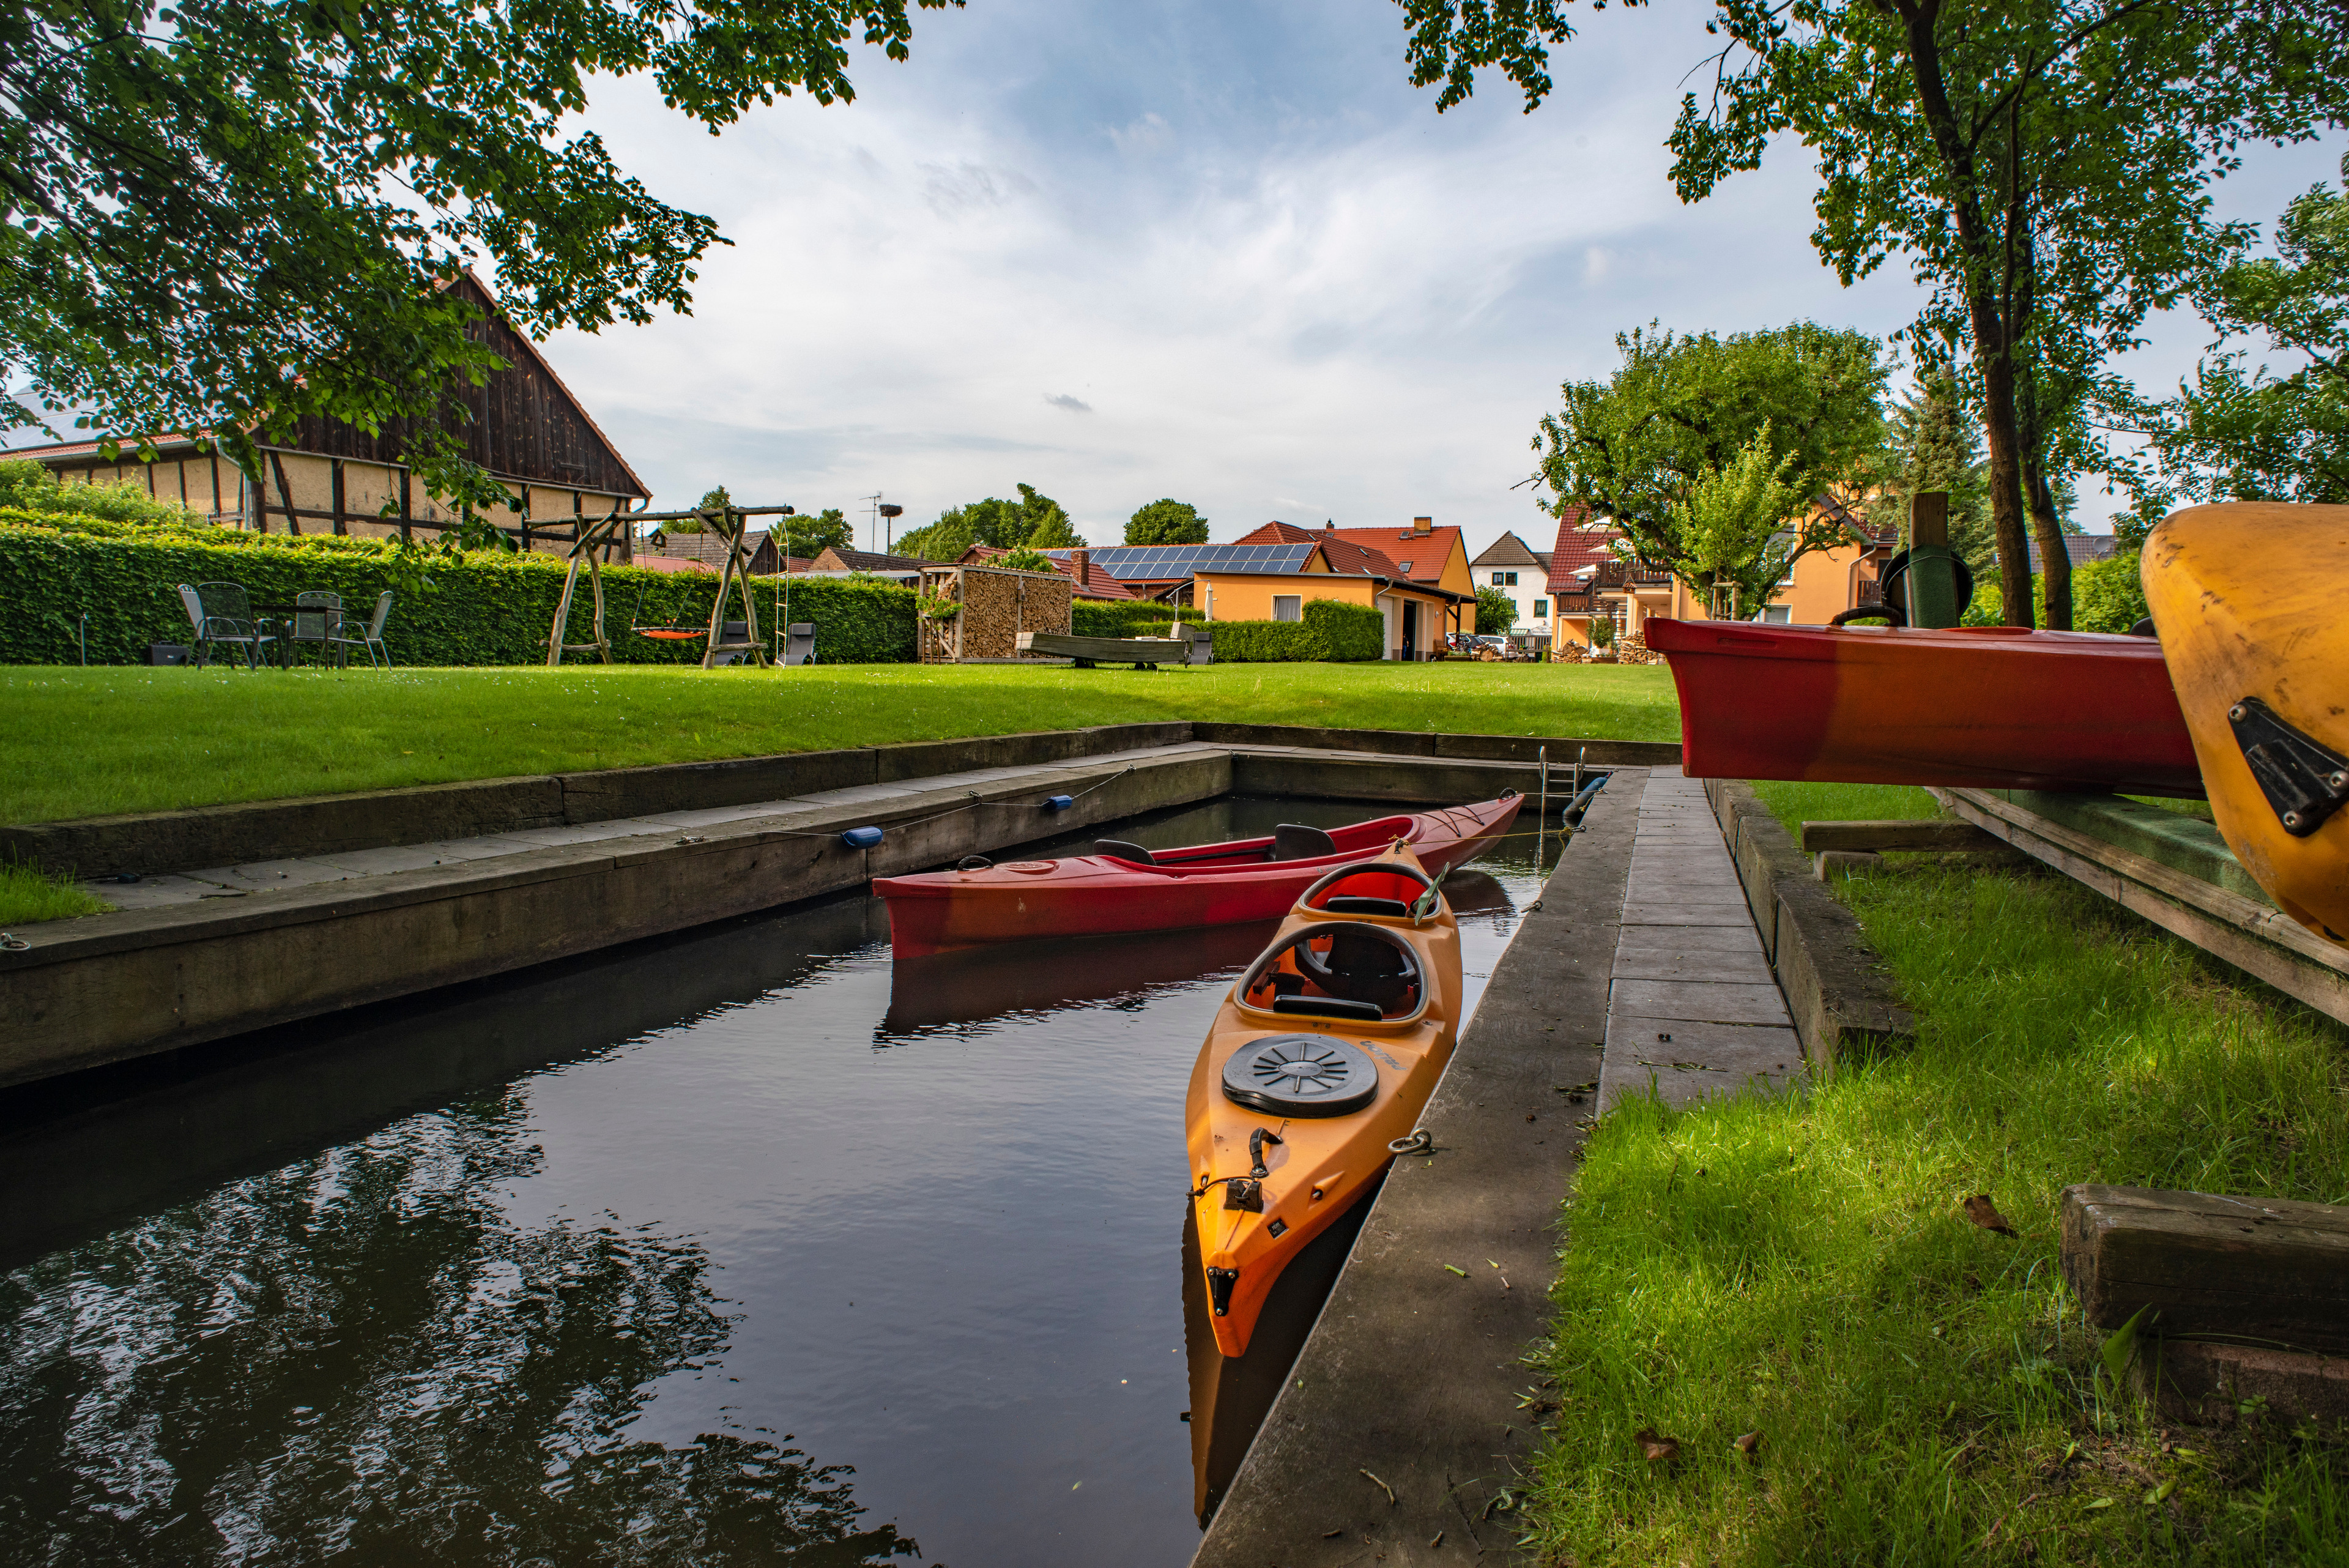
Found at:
(2005, 444)
(2054, 560)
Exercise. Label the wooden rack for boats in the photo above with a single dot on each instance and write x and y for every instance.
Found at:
(2174, 871)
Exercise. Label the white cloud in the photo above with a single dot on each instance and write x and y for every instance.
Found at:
(1315, 298)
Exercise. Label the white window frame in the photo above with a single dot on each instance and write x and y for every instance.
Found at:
(1289, 607)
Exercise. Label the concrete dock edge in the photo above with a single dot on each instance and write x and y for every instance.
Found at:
(1412, 1372)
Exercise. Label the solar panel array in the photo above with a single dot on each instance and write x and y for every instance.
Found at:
(1162, 563)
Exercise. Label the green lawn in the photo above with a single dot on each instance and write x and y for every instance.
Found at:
(1925, 1389)
(28, 896)
(87, 742)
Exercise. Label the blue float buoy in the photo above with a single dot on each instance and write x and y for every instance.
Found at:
(861, 837)
(1059, 801)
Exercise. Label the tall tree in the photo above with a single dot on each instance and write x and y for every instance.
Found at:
(1166, 522)
(808, 536)
(224, 215)
(1936, 445)
(1035, 521)
(2242, 430)
(1633, 447)
(2042, 164)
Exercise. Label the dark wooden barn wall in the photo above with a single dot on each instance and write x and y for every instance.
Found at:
(524, 425)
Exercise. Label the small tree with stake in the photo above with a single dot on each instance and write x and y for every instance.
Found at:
(1734, 530)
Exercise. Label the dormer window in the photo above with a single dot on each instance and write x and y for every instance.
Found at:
(1406, 567)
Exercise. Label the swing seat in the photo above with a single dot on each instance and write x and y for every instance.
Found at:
(668, 633)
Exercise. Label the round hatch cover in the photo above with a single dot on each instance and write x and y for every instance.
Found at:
(1300, 1075)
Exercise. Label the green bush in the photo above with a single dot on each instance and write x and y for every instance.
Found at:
(27, 486)
(482, 608)
(1096, 617)
(1331, 631)
(2107, 596)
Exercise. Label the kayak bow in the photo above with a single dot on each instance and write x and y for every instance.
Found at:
(1315, 1072)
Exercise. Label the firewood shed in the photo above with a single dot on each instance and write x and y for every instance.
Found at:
(972, 615)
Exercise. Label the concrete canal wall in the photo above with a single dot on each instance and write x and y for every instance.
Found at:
(341, 901)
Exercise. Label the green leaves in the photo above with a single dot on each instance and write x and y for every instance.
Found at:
(1035, 520)
(1166, 522)
(1635, 447)
(231, 215)
(1742, 526)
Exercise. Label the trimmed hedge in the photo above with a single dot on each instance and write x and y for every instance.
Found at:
(1331, 631)
(1095, 618)
(2107, 596)
(475, 610)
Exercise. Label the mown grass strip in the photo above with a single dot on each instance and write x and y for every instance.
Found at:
(1924, 1389)
(90, 743)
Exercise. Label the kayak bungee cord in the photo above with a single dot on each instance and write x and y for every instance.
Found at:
(1258, 1171)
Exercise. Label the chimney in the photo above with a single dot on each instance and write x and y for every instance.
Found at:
(1422, 525)
(1081, 565)
(1330, 527)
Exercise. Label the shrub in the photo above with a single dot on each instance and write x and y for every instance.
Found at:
(26, 486)
(2107, 596)
(491, 608)
(1331, 631)
(1096, 617)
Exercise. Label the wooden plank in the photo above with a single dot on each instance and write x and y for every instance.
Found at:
(1107, 650)
(1910, 835)
(2249, 1268)
(2257, 938)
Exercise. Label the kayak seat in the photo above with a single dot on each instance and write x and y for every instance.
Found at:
(1349, 904)
(1119, 849)
(1329, 1007)
(1293, 841)
(1361, 967)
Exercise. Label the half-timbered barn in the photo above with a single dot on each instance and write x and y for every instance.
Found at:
(522, 426)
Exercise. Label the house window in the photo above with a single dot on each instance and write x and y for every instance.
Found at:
(1776, 615)
(1541, 609)
(1500, 579)
(1289, 607)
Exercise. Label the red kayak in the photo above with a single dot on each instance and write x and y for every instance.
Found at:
(1988, 707)
(1125, 888)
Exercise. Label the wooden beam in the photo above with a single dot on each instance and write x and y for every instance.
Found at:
(2265, 1268)
(407, 522)
(1107, 650)
(341, 522)
(1923, 833)
(285, 494)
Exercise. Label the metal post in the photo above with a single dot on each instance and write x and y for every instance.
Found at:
(1541, 824)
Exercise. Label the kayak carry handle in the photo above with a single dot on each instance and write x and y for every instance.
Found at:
(1420, 908)
(1257, 1139)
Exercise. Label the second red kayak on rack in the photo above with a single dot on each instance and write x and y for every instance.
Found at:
(1123, 887)
(1988, 707)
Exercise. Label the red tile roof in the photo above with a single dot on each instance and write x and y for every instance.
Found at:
(1378, 551)
(1578, 546)
(1093, 583)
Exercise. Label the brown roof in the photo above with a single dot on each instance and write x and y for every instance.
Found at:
(1579, 546)
(836, 559)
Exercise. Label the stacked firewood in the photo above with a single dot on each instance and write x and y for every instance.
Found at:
(998, 605)
(1632, 649)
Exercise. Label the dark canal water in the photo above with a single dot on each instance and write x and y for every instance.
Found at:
(732, 1248)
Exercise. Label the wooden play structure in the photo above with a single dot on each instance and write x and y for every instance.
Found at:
(730, 523)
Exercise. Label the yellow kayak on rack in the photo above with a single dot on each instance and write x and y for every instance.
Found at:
(2248, 599)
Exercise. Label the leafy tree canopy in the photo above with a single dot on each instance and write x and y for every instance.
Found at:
(1496, 612)
(2242, 431)
(810, 536)
(1934, 443)
(225, 215)
(1027, 559)
(1035, 520)
(1166, 522)
(1634, 447)
(1741, 528)
(2043, 165)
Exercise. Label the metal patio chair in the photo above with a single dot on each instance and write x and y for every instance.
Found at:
(315, 614)
(221, 612)
(368, 634)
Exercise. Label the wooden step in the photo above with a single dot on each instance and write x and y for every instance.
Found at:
(2261, 1269)
(1924, 833)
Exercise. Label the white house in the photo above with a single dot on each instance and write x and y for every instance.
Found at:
(1523, 573)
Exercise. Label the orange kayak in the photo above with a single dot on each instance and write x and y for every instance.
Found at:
(1318, 1064)
(1989, 707)
(1125, 887)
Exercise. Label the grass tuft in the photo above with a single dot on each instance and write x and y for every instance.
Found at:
(1926, 1390)
(29, 896)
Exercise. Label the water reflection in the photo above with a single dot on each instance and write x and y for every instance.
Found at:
(629, 1260)
(358, 1354)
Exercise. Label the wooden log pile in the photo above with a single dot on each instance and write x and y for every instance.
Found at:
(995, 605)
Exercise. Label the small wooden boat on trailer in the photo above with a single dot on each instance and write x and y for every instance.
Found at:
(2246, 598)
(1315, 1072)
(1125, 887)
(1989, 707)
